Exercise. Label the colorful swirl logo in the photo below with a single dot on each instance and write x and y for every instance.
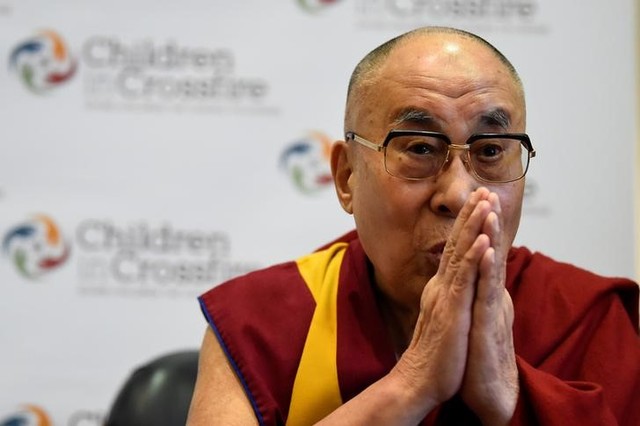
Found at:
(306, 162)
(36, 247)
(28, 415)
(316, 5)
(43, 62)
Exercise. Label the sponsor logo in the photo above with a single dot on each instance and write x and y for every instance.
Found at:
(27, 415)
(43, 62)
(475, 15)
(36, 246)
(306, 163)
(143, 75)
(133, 259)
(150, 75)
(315, 5)
(142, 259)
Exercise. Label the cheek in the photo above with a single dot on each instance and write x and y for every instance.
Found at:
(385, 206)
(384, 200)
(390, 228)
(374, 204)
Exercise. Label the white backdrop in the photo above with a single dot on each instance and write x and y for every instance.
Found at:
(152, 149)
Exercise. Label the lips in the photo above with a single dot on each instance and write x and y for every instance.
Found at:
(434, 253)
(437, 248)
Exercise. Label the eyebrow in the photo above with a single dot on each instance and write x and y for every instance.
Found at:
(413, 115)
(496, 117)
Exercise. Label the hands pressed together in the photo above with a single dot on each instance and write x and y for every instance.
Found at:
(462, 342)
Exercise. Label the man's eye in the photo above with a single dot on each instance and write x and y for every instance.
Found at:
(489, 151)
(420, 149)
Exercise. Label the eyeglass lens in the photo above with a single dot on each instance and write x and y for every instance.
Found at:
(420, 156)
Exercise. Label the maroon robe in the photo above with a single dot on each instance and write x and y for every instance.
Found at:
(575, 336)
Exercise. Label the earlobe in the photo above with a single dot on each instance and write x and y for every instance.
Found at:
(341, 169)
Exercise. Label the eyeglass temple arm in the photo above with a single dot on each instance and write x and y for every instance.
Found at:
(362, 141)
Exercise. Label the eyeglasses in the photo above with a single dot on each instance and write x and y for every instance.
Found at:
(416, 154)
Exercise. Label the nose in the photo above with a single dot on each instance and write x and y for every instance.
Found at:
(453, 186)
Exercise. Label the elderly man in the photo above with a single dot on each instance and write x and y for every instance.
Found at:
(426, 313)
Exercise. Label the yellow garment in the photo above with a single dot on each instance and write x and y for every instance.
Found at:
(316, 391)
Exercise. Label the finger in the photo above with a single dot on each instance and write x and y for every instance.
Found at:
(462, 217)
(497, 238)
(462, 285)
(459, 246)
(493, 228)
(492, 301)
(466, 213)
(489, 291)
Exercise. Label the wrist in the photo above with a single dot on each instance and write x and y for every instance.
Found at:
(388, 401)
(499, 408)
(412, 394)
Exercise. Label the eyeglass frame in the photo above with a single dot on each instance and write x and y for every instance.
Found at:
(522, 137)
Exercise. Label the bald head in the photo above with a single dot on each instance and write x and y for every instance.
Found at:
(368, 69)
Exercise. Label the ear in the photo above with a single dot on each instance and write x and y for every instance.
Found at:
(342, 169)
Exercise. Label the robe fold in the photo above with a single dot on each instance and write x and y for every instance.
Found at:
(306, 336)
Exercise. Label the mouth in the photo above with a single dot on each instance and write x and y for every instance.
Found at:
(434, 253)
